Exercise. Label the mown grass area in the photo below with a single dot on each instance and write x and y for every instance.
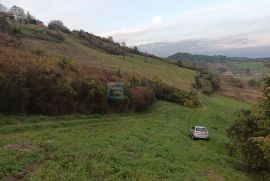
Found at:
(148, 146)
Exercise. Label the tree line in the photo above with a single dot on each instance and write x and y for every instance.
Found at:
(251, 134)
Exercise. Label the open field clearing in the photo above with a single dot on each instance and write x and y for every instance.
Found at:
(147, 146)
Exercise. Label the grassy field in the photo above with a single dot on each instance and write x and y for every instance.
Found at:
(148, 146)
(135, 64)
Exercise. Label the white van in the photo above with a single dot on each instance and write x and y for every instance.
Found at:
(199, 132)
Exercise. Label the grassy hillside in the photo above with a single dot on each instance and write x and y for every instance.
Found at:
(32, 39)
(147, 146)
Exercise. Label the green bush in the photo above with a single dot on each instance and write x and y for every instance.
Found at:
(141, 98)
(254, 83)
(58, 87)
(251, 133)
(166, 92)
(207, 82)
(4, 26)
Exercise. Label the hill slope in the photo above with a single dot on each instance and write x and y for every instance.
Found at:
(33, 38)
(147, 146)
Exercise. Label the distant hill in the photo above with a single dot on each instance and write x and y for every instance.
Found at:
(204, 47)
(242, 67)
(201, 59)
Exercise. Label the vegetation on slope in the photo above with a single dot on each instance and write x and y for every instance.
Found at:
(149, 146)
(48, 80)
(241, 67)
(251, 133)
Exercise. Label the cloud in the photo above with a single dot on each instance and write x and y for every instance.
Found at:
(246, 20)
(157, 19)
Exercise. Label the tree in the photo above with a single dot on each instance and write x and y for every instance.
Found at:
(30, 19)
(58, 25)
(18, 13)
(251, 133)
(136, 49)
(110, 38)
(2, 8)
(123, 44)
(179, 63)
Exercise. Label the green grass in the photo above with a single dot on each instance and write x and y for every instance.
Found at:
(147, 68)
(146, 146)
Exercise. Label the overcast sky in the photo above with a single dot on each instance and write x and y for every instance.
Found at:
(234, 23)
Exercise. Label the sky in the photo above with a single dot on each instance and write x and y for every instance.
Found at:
(229, 23)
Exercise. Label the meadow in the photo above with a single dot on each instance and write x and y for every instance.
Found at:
(153, 145)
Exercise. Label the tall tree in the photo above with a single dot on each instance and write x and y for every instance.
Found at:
(30, 19)
(58, 26)
(251, 132)
(18, 13)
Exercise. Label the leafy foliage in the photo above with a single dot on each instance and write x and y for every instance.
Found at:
(108, 45)
(251, 132)
(141, 98)
(254, 83)
(168, 93)
(207, 82)
(56, 87)
(18, 13)
(58, 25)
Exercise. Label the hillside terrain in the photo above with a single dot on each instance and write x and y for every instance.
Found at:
(150, 145)
(32, 39)
(147, 146)
(234, 72)
(241, 67)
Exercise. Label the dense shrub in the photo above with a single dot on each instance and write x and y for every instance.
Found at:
(166, 92)
(4, 26)
(58, 26)
(108, 45)
(251, 133)
(141, 98)
(207, 82)
(50, 87)
(254, 83)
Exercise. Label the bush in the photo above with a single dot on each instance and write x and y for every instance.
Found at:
(236, 82)
(207, 87)
(141, 98)
(4, 26)
(258, 153)
(207, 82)
(51, 87)
(254, 83)
(58, 25)
(166, 92)
(251, 133)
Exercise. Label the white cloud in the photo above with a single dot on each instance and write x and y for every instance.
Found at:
(248, 20)
(157, 19)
